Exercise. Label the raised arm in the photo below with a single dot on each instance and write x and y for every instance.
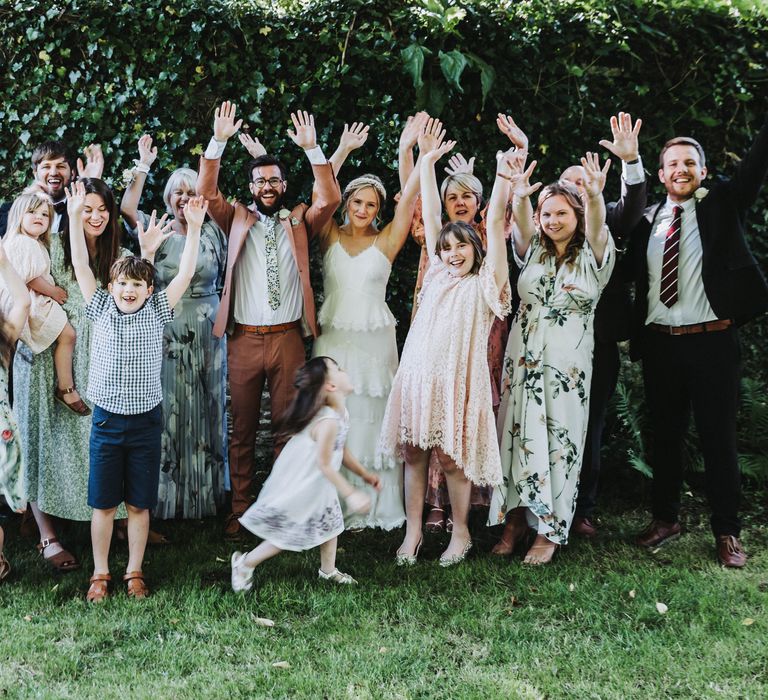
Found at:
(430, 196)
(194, 213)
(327, 195)
(86, 280)
(400, 226)
(224, 127)
(594, 182)
(495, 220)
(352, 138)
(408, 139)
(16, 315)
(129, 205)
(521, 189)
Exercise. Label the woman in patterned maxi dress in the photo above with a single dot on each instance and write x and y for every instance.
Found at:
(566, 262)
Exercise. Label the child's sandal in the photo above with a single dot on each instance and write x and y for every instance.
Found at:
(79, 407)
(137, 587)
(99, 588)
(336, 576)
(242, 576)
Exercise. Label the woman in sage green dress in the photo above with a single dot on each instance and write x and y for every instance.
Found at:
(194, 441)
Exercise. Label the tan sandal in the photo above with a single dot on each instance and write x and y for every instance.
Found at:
(62, 562)
(98, 591)
(5, 567)
(79, 407)
(137, 587)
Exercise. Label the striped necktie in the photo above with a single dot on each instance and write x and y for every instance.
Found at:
(669, 265)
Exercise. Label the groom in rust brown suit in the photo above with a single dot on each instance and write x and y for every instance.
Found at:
(267, 305)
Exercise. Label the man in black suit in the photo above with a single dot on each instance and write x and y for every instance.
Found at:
(695, 282)
(613, 310)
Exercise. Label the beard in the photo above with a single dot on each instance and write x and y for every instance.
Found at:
(270, 209)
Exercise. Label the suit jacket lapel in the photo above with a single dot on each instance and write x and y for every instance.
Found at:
(289, 232)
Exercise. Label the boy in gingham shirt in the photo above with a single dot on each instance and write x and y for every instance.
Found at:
(124, 384)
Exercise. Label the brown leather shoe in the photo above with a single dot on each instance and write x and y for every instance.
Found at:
(583, 527)
(730, 552)
(232, 528)
(658, 533)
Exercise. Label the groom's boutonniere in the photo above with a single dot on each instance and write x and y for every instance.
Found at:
(700, 193)
(283, 214)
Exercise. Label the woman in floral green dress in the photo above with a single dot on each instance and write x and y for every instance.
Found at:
(194, 447)
(566, 257)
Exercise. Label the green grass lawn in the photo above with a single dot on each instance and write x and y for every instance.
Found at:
(586, 627)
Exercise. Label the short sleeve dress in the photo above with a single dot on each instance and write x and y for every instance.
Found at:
(441, 395)
(298, 508)
(544, 409)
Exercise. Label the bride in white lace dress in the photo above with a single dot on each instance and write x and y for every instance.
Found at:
(357, 329)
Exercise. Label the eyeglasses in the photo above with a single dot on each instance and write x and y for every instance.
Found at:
(259, 182)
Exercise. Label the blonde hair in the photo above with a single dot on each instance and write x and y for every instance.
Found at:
(465, 182)
(180, 176)
(31, 199)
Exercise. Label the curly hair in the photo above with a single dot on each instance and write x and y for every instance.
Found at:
(572, 196)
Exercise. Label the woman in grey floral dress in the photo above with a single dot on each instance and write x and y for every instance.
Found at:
(566, 259)
(56, 440)
(194, 448)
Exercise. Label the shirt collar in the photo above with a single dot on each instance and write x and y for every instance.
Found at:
(689, 205)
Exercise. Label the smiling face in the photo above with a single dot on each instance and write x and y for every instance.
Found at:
(54, 174)
(458, 254)
(268, 188)
(681, 172)
(179, 197)
(95, 215)
(362, 207)
(558, 219)
(460, 204)
(37, 222)
(129, 294)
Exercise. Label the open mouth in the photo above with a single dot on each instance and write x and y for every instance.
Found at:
(53, 181)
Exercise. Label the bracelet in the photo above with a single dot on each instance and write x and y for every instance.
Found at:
(140, 167)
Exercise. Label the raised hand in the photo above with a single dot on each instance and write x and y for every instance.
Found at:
(195, 211)
(94, 162)
(304, 135)
(147, 153)
(353, 137)
(75, 199)
(252, 145)
(432, 156)
(515, 134)
(156, 232)
(513, 168)
(457, 163)
(224, 124)
(431, 135)
(410, 133)
(625, 142)
(594, 177)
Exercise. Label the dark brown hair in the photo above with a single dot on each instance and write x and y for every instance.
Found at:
(108, 243)
(51, 150)
(683, 141)
(573, 198)
(309, 398)
(133, 268)
(464, 233)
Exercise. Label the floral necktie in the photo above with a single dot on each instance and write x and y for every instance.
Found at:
(273, 274)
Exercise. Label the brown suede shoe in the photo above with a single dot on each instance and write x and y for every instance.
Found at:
(583, 527)
(730, 552)
(232, 528)
(658, 533)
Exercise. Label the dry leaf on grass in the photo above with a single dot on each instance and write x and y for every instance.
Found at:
(223, 561)
(747, 621)
(383, 650)
(281, 664)
(572, 587)
(263, 621)
(661, 608)
(632, 594)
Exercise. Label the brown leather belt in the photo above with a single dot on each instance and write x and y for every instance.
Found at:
(264, 330)
(708, 327)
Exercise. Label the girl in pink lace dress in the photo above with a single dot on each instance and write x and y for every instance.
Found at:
(441, 395)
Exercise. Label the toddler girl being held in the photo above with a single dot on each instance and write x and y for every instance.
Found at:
(26, 245)
(298, 507)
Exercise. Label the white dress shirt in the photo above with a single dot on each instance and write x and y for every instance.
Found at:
(633, 173)
(692, 305)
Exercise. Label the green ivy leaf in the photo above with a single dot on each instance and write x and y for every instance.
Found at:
(452, 64)
(413, 58)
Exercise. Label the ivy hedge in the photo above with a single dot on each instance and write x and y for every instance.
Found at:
(87, 71)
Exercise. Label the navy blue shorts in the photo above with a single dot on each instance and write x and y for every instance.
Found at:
(124, 458)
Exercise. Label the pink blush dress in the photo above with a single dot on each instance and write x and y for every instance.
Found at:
(441, 395)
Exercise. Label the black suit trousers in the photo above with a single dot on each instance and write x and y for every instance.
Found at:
(605, 374)
(698, 372)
